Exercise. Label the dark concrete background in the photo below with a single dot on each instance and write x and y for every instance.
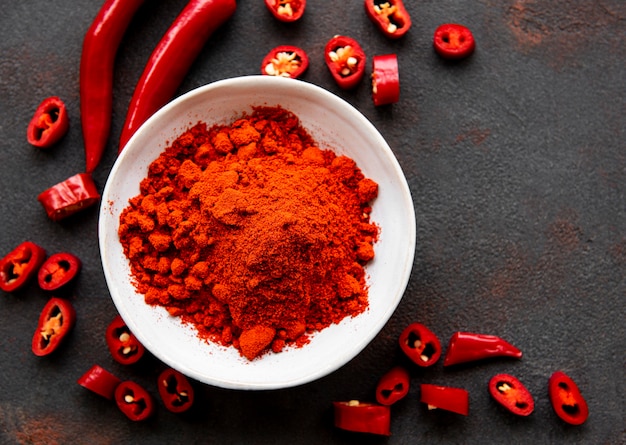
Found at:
(517, 164)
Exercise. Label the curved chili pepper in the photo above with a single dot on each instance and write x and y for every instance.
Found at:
(285, 61)
(175, 390)
(467, 347)
(20, 265)
(70, 196)
(58, 270)
(49, 123)
(567, 401)
(97, 61)
(390, 16)
(134, 401)
(393, 386)
(99, 380)
(124, 346)
(420, 344)
(171, 59)
(509, 392)
(451, 399)
(452, 41)
(385, 80)
(286, 10)
(362, 417)
(345, 60)
(55, 322)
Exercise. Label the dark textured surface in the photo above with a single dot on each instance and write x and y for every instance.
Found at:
(517, 164)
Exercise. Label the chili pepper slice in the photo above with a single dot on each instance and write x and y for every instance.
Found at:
(390, 16)
(453, 41)
(420, 344)
(363, 417)
(49, 123)
(509, 392)
(172, 58)
(58, 270)
(76, 193)
(285, 61)
(467, 347)
(448, 398)
(345, 60)
(134, 401)
(99, 380)
(124, 346)
(55, 322)
(385, 80)
(286, 10)
(393, 386)
(175, 390)
(97, 61)
(20, 265)
(567, 401)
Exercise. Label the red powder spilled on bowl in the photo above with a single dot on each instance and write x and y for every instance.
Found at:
(252, 233)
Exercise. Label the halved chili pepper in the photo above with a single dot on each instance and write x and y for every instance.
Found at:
(363, 417)
(124, 346)
(20, 265)
(567, 401)
(55, 322)
(390, 16)
(420, 344)
(509, 392)
(134, 401)
(49, 123)
(393, 386)
(345, 60)
(448, 398)
(97, 61)
(76, 193)
(285, 61)
(171, 59)
(175, 390)
(286, 10)
(467, 347)
(100, 381)
(58, 270)
(385, 79)
(453, 41)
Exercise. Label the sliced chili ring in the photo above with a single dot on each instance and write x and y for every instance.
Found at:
(509, 392)
(49, 123)
(20, 265)
(393, 386)
(567, 401)
(70, 196)
(134, 401)
(100, 381)
(345, 60)
(385, 80)
(447, 398)
(286, 10)
(55, 322)
(390, 16)
(122, 343)
(58, 270)
(453, 41)
(362, 417)
(420, 344)
(175, 390)
(285, 61)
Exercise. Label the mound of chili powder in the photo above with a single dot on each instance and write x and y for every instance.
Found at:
(252, 233)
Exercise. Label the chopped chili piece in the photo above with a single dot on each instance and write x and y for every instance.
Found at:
(385, 80)
(420, 344)
(509, 392)
(20, 265)
(390, 16)
(70, 196)
(134, 401)
(467, 347)
(363, 417)
(124, 346)
(393, 386)
(566, 399)
(285, 61)
(58, 270)
(175, 390)
(286, 10)
(55, 322)
(100, 381)
(345, 60)
(447, 398)
(49, 123)
(452, 41)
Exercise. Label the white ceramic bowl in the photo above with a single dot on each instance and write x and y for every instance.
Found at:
(334, 124)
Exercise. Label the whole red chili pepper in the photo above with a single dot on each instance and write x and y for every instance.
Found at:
(123, 345)
(20, 265)
(286, 10)
(509, 392)
(285, 61)
(97, 61)
(420, 344)
(175, 390)
(134, 401)
(390, 16)
(393, 386)
(58, 270)
(452, 41)
(363, 417)
(385, 80)
(70, 196)
(55, 322)
(100, 381)
(567, 401)
(467, 347)
(49, 123)
(345, 60)
(451, 399)
(171, 59)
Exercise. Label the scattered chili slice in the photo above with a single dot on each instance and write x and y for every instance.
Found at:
(55, 322)
(49, 123)
(467, 347)
(70, 196)
(509, 392)
(448, 398)
(134, 401)
(420, 344)
(385, 80)
(100, 381)
(20, 265)
(393, 386)
(286, 10)
(452, 41)
(390, 16)
(363, 417)
(175, 390)
(124, 346)
(566, 399)
(285, 61)
(58, 270)
(345, 60)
